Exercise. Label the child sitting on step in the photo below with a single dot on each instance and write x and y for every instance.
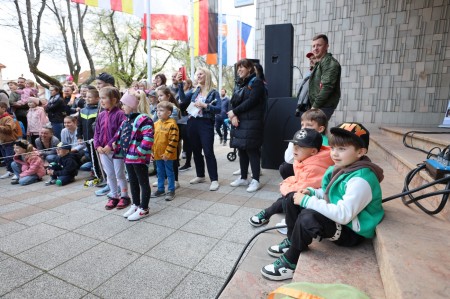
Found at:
(345, 210)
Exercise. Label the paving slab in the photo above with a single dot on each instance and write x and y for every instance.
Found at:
(184, 249)
(14, 273)
(209, 225)
(197, 285)
(46, 286)
(95, 266)
(51, 254)
(173, 217)
(145, 277)
(105, 227)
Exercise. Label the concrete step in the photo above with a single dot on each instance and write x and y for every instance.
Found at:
(403, 160)
(421, 140)
(411, 247)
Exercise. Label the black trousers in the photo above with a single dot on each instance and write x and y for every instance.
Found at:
(286, 170)
(139, 184)
(253, 157)
(304, 225)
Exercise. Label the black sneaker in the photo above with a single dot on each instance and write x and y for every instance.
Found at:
(157, 193)
(279, 249)
(169, 196)
(281, 269)
(184, 168)
(259, 219)
(14, 182)
(51, 182)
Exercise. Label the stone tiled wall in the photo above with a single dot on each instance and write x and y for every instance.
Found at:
(395, 54)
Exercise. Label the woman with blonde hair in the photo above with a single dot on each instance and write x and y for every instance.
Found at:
(203, 104)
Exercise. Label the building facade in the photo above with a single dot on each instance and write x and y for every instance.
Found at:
(395, 54)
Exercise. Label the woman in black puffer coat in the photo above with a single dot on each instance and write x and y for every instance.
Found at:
(248, 102)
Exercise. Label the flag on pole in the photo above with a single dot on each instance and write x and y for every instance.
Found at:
(229, 32)
(243, 39)
(169, 18)
(205, 29)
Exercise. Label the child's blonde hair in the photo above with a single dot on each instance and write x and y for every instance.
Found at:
(165, 105)
(144, 103)
(30, 82)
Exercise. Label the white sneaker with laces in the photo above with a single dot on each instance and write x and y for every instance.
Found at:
(239, 182)
(214, 186)
(197, 180)
(14, 178)
(139, 214)
(6, 175)
(254, 186)
(130, 211)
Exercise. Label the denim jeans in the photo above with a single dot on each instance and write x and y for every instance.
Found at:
(57, 128)
(30, 179)
(7, 150)
(165, 169)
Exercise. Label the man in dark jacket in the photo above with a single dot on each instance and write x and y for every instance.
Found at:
(325, 80)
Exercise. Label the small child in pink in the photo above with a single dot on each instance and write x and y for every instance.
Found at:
(36, 119)
(27, 92)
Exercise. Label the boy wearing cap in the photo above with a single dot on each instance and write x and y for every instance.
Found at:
(311, 160)
(64, 170)
(345, 210)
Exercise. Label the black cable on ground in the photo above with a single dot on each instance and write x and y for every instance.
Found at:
(233, 270)
(419, 132)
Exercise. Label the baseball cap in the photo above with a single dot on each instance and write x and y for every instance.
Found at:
(152, 93)
(307, 138)
(354, 130)
(63, 145)
(107, 78)
(309, 54)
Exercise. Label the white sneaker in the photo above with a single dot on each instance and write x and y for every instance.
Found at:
(6, 175)
(214, 186)
(239, 182)
(140, 213)
(130, 211)
(254, 186)
(14, 178)
(197, 180)
(237, 172)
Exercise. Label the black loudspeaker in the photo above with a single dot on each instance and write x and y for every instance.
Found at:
(280, 124)
(279, 46)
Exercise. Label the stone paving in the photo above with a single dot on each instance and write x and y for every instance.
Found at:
(60, 242)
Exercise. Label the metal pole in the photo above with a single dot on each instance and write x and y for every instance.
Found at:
(219, 50)
(149, 44)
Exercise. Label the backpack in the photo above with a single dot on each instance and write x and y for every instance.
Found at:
(19, 129)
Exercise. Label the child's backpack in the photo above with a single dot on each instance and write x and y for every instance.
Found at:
(20, 129)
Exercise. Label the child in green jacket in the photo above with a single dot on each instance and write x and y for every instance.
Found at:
(345, 210)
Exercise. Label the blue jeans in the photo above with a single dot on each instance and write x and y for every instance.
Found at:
(165, 168)
(201, 134)
(51, 158)
(7, 150)
(57, 128)
(30, 179)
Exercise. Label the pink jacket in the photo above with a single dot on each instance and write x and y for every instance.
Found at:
(31, 165)
(36, 119)
(308, 173)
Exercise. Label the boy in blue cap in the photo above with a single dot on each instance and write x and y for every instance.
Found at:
(65, 168)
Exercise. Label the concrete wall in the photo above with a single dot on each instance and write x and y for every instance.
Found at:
(395, 55)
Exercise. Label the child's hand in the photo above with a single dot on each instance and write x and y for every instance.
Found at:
(305, 191)
(164, 157)
(100, 150)
(114, 145)
(50, 171)
(298, 198)
(106, 150)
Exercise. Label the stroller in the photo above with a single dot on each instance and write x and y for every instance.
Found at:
(231, 156)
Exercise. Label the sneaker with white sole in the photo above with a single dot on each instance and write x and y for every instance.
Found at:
(214, 186)
(130, 211)
(237, 172)
(197, 180)
(239, 182)
(169, 196)
(14, 178)
(157, 193)
(254, 186)
(281, 269)
(139, 214)
(259, 219)
(105, 190)
(279, 249)
(6, 175)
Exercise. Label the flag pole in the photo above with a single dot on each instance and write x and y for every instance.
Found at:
(239, 38)
(219, 50)
(149, 44)
(191, 40)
